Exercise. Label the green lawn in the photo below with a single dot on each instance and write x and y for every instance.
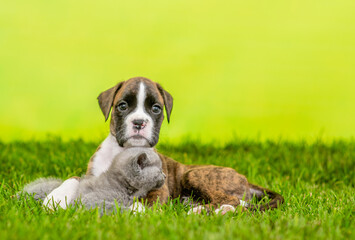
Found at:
(316, 180)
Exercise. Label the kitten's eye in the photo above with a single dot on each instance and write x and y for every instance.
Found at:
(123, 106)
(156, 109)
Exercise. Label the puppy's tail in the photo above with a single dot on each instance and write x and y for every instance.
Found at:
(41, 187)
(259, 193)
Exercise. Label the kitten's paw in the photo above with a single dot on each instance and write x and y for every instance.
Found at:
(62, 195)
(224, 209)
(137, 207)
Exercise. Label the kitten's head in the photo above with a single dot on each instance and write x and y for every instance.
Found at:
(141, 168)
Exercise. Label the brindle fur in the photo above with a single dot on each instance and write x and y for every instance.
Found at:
(210, 184)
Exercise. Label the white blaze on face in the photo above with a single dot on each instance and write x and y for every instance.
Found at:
(139, 114)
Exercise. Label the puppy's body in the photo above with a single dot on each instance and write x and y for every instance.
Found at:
(136, 118)
(205, 183)
(132, 174)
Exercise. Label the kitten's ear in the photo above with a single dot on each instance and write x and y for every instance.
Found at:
(142, 160)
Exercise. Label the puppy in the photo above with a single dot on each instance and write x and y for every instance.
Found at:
(136, 108)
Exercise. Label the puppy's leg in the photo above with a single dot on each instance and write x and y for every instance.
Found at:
(63, 195)
(161, 194)
(217, 200)
(207, 184)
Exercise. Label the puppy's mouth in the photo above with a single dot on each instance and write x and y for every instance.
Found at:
(137, 136)
(136, 140)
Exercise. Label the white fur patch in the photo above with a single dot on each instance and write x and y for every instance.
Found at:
(62, 195)
(137, 207)
(243, 203)
(224, 209)
(196, 210)
(139, 113)
(104, 156)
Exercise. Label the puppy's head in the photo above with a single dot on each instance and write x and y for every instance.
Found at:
(137, 111)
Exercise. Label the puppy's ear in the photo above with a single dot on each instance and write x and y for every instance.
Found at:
(106, 99)
(168, 101)
(142, 160)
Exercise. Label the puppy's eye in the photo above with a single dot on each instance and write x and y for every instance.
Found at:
(123, 106)
(156, 109)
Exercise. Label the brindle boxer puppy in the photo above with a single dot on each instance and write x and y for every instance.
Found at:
(137, 114)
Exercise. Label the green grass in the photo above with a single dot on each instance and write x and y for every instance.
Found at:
(316, 180)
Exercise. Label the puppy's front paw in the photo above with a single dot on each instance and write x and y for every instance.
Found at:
(62, 195)
(196, 210)
(224, 209)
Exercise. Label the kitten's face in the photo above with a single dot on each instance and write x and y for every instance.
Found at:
(141, 168)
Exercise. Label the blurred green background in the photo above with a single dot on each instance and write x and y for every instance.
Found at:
(256, 69)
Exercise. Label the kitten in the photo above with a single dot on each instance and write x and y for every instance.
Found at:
(132, 174)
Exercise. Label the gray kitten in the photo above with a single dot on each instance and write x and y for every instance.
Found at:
(132, 174)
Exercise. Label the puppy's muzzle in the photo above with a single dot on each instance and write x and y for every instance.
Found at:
(139, 124)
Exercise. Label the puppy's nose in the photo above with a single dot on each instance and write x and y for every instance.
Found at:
(138, 124)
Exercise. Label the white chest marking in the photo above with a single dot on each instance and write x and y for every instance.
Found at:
(104, 156)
